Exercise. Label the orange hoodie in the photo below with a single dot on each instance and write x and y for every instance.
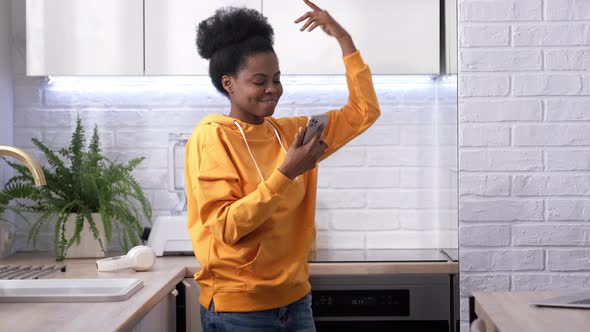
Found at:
(251, 228)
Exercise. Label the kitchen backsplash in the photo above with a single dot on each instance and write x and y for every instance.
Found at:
(392, 187)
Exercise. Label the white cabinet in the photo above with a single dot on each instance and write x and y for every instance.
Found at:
(73, 37)
(165, 315)
(170, 34)
(192, 306)
(162, 317)
(157, 37)
(394, 36)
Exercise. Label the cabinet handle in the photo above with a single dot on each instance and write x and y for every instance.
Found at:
(174, 292)
(186, 284)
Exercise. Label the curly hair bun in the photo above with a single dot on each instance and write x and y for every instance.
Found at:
(231, 25)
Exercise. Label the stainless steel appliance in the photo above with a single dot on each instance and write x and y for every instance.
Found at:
(401, 303)
(413, 303)
(416, 303)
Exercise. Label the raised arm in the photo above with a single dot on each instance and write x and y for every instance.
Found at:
(362, 109)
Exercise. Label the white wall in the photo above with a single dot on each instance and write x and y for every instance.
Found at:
(393, 187)
(524, 112)
(6, 86)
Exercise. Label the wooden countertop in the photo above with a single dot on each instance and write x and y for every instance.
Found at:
(92, 316)
(510, 311)
(159, 281)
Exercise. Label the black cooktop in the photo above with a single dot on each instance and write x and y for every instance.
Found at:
(384, 255)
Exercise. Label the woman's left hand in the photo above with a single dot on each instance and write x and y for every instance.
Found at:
(319, 17)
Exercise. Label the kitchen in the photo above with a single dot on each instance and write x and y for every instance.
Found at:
(406, 209)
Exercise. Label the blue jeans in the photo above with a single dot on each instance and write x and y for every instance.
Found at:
(296, 316)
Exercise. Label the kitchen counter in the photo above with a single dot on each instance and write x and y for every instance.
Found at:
(93, 316)
(510, 311)
(157, 283)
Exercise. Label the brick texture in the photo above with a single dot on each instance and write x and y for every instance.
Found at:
(524, 119)
(393, 187)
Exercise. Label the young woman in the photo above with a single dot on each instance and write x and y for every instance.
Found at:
(251, 182)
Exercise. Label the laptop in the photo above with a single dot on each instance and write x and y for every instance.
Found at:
(580, 300)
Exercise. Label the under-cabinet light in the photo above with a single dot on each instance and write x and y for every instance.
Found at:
(404, 82)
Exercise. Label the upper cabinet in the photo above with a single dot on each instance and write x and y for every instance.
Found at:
(394, 36)
(170, 34)
(157, 37)
(74, 37)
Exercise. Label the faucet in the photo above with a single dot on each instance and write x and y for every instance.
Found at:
(31, 163)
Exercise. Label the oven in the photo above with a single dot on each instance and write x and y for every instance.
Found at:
(401, 303)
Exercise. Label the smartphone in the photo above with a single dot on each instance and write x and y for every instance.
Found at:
(313, 125)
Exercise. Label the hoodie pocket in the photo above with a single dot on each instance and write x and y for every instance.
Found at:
(249, 266)
(267, 269)
(248, 273)
(228, 278)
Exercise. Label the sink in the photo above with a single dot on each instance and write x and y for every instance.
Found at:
(69, 290)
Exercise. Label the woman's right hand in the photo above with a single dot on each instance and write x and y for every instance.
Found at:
(301, 157)
(319, 17)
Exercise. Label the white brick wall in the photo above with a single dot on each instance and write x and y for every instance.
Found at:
(393, 187)
(524, 149)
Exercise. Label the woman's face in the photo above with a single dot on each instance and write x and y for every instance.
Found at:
(256, 88)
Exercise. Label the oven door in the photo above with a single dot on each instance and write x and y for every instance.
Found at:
(416, 303)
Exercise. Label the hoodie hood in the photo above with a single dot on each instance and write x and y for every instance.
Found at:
(247, 131)
(252, 131)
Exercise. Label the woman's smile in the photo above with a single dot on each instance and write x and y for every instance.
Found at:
(270, 101)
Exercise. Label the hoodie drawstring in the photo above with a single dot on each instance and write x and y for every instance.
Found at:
(248, 146)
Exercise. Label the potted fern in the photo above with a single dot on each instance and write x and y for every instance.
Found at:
(86, 195)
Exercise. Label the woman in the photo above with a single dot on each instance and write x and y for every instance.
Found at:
(251, 182)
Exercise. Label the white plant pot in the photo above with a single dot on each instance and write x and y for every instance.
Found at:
(89, 246)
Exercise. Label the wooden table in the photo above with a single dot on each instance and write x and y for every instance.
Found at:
(511, 312)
